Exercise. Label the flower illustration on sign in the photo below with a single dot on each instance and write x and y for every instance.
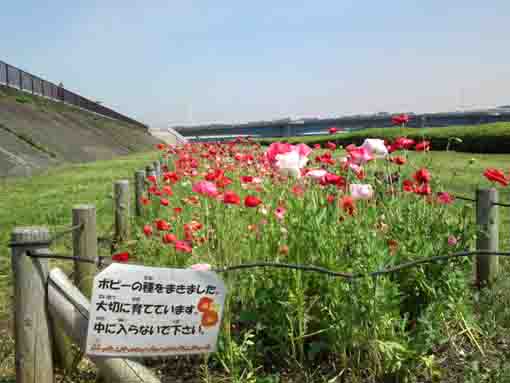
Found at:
(209, 310)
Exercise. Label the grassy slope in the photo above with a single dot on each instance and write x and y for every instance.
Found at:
(37, 133)
(47, 200)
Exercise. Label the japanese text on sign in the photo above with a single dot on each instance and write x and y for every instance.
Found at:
(148, 311)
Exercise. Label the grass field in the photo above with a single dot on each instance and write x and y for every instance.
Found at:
(47, 199)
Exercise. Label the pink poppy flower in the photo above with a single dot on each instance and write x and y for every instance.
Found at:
(201, 267)
(205, 188)
(452, 241)
(280, 212)
(316, 174)
(445, 198)
(360, 155)
(361, 191)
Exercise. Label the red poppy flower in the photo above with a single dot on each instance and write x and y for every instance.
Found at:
(223, 182)
(147, 230)
(145, 201)
(164, 202)
(422, 146)
(334, 179)
(331, 198)
(182, 246)
(332, 130)
(152, 179)
(169, 238)
(252, 201)
(154, 190)
(298, 191)
(496, 175)
(177, 210)
(423, 189)
(162, 225)
(331, 145)
(192, 226)
(400, 119)
(403, 143)
(398, 160)
(407, 186)
(214, 175)
(422, 176)
(348, 204)
(120, 257)
(317, 146)
(246, 179)
(167, 190)
(445, 198)
(171, 177)
(231, 198)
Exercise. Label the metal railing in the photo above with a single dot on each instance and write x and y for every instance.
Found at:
(19, 79)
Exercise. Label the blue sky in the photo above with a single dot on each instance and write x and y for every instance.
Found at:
(169, 62)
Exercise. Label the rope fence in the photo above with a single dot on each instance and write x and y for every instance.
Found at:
(474, 200)
(102, 261)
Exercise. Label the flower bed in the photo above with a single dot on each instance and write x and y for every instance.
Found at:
(228, 204)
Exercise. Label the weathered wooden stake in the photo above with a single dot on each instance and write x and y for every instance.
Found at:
(33, 353)
(149, 171)
(85, 246)
(121, 191)
(486, 266)
(72, 308)
(139, 189)
(157, 169)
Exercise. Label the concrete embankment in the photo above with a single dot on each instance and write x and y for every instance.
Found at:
(36, 133)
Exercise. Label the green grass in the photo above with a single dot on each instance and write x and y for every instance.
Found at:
(47, 199)
(485, 138)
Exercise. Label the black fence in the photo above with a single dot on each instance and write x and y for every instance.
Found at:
(16, 78)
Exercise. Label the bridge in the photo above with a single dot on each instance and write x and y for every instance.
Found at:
(308, 127)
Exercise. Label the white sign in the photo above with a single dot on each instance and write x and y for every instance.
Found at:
(147, 311)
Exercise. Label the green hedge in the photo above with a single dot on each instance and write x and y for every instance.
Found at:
(486, 138)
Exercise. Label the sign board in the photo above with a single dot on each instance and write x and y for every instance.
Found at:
(141, 311)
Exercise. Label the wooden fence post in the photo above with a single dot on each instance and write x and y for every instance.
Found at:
(34, 362)
(121, 192)
(85, 246)
(486, 266)
(157, 169)
(149, 171)
(139, 189)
